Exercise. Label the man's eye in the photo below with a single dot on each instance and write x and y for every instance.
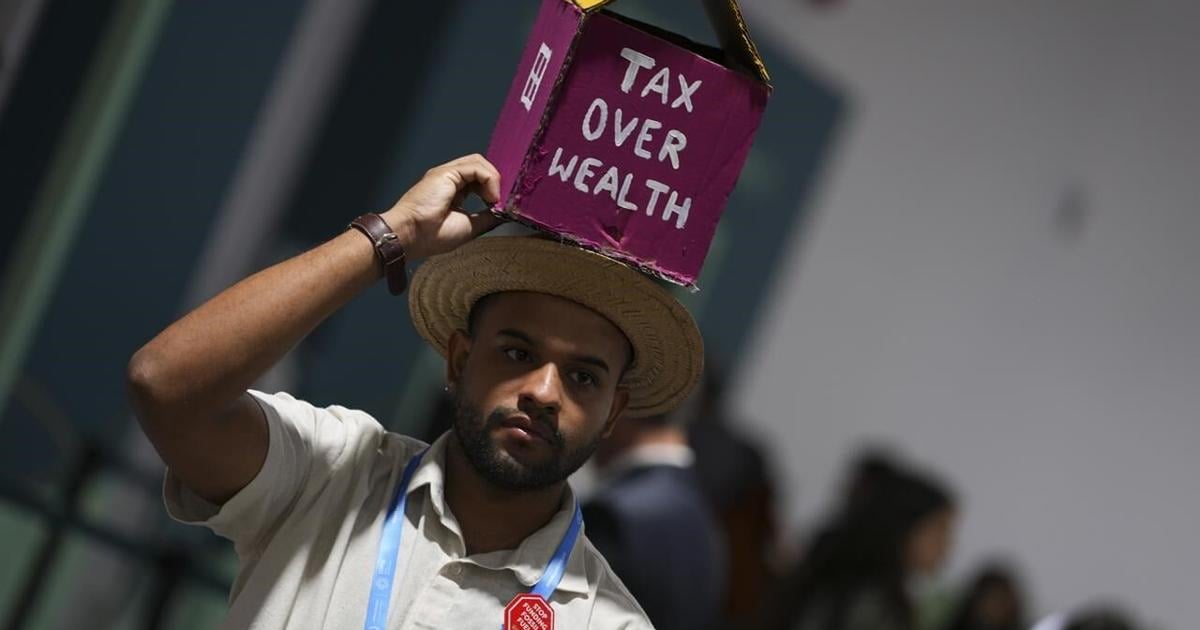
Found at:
(584, 378)
(517, 354)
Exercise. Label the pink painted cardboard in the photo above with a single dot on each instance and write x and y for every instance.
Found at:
(622, 141)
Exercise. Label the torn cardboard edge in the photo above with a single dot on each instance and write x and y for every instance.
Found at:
(725, 18)
(609, 253)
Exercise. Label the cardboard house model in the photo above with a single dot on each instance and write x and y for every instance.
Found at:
(625, 138)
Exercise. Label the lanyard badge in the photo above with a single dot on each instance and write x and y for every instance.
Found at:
(526, 611)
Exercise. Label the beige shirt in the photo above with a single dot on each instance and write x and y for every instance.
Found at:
(306, 530)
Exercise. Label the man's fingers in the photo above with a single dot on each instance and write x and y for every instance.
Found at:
(483, 222)
(475, 169)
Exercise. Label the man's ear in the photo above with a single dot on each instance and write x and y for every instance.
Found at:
(457, 350)
(620, 402)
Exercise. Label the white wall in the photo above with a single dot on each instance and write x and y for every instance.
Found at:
(1003, 278)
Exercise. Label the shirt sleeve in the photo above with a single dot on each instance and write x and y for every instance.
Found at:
(306, 446)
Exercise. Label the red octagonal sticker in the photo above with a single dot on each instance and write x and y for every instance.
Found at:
(527, 611)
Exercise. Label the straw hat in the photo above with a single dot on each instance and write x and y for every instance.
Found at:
(668, 351)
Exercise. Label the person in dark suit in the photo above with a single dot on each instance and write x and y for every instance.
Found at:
(652, 523)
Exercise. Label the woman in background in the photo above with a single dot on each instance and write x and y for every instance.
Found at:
(858, 573)
(992, 602)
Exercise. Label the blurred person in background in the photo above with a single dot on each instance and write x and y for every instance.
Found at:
(866, 473)
(869, 469)
(992, 601)
(1102, 616)
(862, 570)
(741, 489)
(651, 521)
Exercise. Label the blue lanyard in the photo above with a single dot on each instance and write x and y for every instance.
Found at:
(389, 549)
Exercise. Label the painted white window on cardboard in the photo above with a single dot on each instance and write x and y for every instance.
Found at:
(535, 76)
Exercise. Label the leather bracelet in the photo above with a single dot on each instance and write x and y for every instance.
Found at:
(387, 248)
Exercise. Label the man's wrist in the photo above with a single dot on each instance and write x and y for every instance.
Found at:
(389, 250)
(406, 232)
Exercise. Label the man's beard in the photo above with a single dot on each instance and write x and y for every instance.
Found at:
(474, 433)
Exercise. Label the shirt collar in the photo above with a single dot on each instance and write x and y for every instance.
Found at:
(529, 559)
(674, 455)
(431, 472)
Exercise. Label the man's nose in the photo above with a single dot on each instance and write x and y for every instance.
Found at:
(541, 392)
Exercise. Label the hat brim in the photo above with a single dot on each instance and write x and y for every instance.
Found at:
(668, 350)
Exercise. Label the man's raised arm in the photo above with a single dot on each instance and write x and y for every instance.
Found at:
(188, 384)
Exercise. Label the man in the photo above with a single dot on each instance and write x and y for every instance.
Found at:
(340, 524)
(653, 524)
(736, 479)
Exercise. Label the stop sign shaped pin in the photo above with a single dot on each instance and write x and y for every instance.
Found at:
(528, 611)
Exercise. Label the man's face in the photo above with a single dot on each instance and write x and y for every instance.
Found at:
(535, 387)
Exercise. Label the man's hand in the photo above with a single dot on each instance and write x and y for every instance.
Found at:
(188, 384)
(429, 219)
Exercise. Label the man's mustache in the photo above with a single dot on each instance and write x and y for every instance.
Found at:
(498, 415)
